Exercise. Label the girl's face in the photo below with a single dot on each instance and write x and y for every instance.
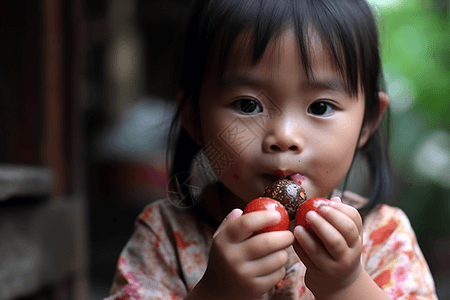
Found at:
(267, 121)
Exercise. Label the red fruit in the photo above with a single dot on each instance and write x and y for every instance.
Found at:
(265, 203)
(311, 204)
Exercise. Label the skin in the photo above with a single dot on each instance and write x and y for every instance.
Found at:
(297, 137)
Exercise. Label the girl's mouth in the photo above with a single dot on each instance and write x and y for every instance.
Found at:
(287, 174)
(297, 177)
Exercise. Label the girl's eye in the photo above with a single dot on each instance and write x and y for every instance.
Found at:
(321, 108)
(248, 106)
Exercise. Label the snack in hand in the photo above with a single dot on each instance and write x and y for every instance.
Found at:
(264, 203)
(287, 192)
(311, 204)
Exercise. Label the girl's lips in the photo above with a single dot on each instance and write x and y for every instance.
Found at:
(294, 176)
(282, 173)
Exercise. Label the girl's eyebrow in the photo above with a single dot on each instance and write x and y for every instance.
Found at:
(230, 80)
(333, 84)
(235, 79)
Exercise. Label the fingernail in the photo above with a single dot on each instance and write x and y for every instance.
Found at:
(311, 215)
(324, 209)
(336, 199)
(298, 230)
(276, 216)
(334, 204)
(234, 214)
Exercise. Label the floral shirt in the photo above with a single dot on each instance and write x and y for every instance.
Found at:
(168, 253)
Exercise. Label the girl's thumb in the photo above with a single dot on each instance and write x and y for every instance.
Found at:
(234, 214)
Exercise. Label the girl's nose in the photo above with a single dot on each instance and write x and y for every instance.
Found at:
(283, 138)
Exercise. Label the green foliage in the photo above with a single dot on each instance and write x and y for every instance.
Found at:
(415, 41)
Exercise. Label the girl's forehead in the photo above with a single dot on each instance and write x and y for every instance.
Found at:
(320, 58)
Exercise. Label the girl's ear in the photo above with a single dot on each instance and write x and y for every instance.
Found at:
(371, 127)
(189, 117)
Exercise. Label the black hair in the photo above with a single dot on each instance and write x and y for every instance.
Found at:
(349, 29)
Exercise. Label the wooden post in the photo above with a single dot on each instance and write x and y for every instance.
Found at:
(53, 151)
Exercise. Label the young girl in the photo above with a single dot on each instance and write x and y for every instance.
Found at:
(270, 90)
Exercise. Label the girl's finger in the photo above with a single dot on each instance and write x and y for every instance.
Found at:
(268, 264)
(346, 227)
(249, 223)
(332, 239)
(271, 241)
(336, 199)
(351, 212)
(311, 246)
(302, 254)
(234, 214)
(272, 278)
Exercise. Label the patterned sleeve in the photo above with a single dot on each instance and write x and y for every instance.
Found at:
(146, 268)
(393, 258)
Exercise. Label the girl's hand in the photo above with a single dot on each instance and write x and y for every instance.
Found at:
(242, 266)
(331, 253)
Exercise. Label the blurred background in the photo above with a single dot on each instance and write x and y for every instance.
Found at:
(85, 101)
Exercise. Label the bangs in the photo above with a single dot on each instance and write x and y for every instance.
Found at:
(346, 27)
